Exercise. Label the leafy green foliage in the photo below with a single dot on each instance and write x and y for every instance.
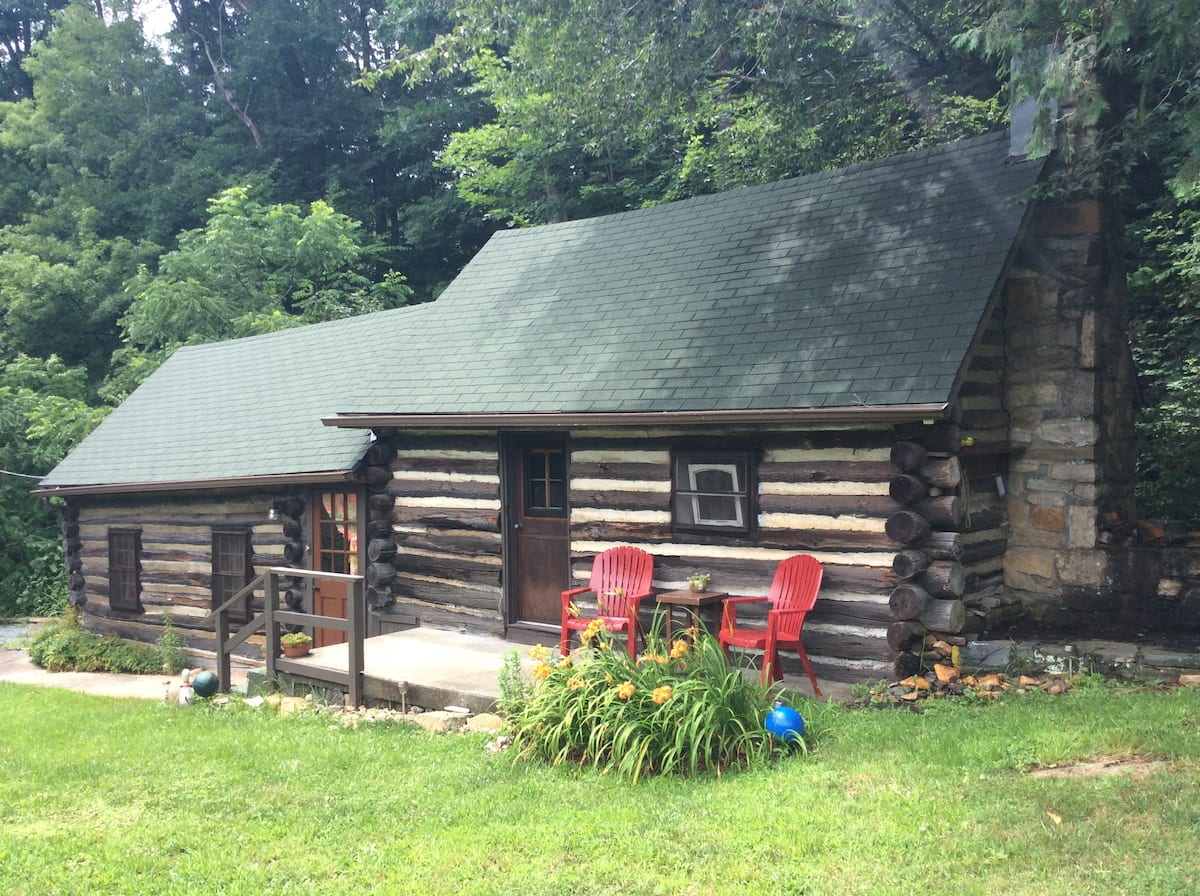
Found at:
(679, 708)
(172, 647)
(604, 106)
(43, 414)
(253, 269)
(1165, 303)
(65, 646)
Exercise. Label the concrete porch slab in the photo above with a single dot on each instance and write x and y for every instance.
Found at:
(434, 668)
(427, 667)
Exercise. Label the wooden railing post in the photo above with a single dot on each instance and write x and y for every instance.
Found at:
(270, 602)
(272, 618)
(224, 676)
(357, 612)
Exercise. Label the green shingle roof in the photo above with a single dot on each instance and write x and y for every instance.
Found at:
(863, 286)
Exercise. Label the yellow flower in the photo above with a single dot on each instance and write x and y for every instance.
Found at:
(573, 610)
(692, 632)
(679, 649)
(542, 671)
(625, 690)
(661, 695)
(608, 677)
(651, 657)
(594, 628)
(539, 652)
(564, 663)
(574, 683)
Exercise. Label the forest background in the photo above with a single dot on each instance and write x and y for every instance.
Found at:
(247, 165)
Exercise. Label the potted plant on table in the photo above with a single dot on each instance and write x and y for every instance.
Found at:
(296, 644)
(698, 581)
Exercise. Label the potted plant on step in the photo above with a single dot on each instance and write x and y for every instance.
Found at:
(296, 644)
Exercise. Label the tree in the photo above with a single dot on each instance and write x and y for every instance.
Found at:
(255, 268)
(43, 414)
(604, 105)
(21, 26)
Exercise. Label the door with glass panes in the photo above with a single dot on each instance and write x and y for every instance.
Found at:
(539, 536)
(335, 549)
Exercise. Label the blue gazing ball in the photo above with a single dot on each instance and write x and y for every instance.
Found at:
(785, 723)
(205, 684)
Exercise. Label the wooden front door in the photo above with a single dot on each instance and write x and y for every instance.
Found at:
(336, 545)
(539, 539)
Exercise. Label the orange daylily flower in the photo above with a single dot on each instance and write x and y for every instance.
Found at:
(625, 690)
(542, 671)
(661, 695)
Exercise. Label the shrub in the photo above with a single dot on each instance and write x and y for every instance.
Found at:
(65, 646)
(679, 708)
(172, 648)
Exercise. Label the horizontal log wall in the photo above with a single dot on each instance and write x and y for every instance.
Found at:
(822, 493)
(445, 524)
(176, 558)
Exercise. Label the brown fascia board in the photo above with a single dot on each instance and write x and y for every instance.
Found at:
(901, 413)
(182, 485)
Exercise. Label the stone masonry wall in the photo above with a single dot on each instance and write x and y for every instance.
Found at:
(1069, 391)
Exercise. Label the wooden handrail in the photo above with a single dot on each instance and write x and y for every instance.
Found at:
(250, 587)
(272, 617)
(353, 625)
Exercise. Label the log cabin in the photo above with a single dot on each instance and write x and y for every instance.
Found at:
(907, 368)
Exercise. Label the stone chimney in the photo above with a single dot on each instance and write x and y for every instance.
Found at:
(1069, 388)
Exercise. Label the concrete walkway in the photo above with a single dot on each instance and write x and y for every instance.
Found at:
(16, 667)
(426, 667)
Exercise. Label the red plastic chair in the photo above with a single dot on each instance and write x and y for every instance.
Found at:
(792, 595)
(621, 581)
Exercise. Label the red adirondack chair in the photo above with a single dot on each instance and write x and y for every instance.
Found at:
(621, 581)
(792, 595)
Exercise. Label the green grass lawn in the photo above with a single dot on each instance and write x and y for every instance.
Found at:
(123, 797)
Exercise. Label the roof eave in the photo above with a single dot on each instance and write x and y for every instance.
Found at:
(896, 413)
(177, 485)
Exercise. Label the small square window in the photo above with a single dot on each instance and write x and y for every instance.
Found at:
(712, 492)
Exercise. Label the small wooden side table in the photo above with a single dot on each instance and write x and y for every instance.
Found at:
(697, 602)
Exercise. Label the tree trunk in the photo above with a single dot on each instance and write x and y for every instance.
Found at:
(378, 477)
(902, 635)
(946, 512)
(944, 579)
(945, 615)
(380, 549)
(907, 488)
(910, 563)
(381, 503)
(908, 456)
(906, 527)
(380, 574)
(908, 601)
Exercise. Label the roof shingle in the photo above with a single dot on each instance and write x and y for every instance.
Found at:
(863, 286)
